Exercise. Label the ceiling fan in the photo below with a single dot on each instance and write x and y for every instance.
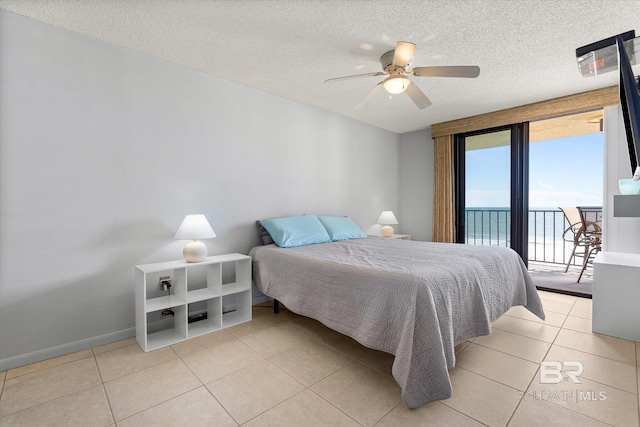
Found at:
(395, 63)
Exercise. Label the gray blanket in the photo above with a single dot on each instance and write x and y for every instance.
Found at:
(416, 300)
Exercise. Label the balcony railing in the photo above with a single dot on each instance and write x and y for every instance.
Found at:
(491, 226)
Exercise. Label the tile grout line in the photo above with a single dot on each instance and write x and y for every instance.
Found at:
(140, 370)
(305, 387)
(493, 379)
(341, 411)
(50, 367)
(104, 387)
(527, 336)
(137, 370)
(202, 384)
(537, 370)
(462, 413)
(282, 403)
(542, 322)
(231, 373)
(58, 397)
(62, 395)
(572, 330)
(4, 381)
(374, 369)
(487, 378)
(508, 354)
(490, 379)
(593, 354)
(352, 361)
(539, 363)
(160, 403)
(388, 412)
(273, 407)
(205, 386)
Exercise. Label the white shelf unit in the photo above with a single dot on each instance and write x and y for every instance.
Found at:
(203, 284)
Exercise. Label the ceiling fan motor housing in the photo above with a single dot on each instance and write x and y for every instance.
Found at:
(386, 60)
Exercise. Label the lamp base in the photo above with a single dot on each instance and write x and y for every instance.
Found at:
(194, 251)
(387, 231)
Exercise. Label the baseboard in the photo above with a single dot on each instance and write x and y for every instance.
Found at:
(61, 350)
(72, 347)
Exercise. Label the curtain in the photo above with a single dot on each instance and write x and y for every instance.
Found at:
(443, 228)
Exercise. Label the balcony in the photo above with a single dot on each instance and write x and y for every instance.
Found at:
(548, 252)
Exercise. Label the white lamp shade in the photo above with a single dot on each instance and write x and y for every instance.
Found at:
(396, 84)
(386, 218)
(194, 227)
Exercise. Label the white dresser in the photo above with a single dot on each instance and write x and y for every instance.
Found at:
(616, 295)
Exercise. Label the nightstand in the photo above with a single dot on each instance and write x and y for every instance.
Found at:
(394, 237)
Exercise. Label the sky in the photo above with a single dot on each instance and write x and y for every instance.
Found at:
(562, 172)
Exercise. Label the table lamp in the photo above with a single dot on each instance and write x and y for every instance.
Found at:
(386, 218)
(194, 227)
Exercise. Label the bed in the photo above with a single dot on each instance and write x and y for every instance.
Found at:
(415, 300)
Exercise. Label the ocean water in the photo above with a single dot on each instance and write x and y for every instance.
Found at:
(491, 226)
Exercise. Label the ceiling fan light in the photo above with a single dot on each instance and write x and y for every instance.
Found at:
(396, 84)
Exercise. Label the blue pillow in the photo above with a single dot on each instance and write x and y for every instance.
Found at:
(341, 228)
(296, 231)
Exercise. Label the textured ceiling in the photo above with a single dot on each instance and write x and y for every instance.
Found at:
(525, 49)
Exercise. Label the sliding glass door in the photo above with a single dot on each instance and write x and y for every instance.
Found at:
(491, 194)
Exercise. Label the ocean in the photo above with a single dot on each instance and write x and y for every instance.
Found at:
(491, 226)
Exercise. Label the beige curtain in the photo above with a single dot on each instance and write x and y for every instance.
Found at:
(443, 228)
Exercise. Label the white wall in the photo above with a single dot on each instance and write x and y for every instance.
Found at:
(416, 184)
(104, 150)
(620, 234)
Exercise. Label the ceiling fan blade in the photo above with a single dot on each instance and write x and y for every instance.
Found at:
(403, 54)
(368, 97)
(447, 71)
(355, 76)
(417, 96)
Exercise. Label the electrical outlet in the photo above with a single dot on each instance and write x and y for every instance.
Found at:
(165, 283)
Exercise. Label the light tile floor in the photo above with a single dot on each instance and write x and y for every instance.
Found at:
(289, 370)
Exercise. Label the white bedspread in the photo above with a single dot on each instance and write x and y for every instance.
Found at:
(416, 300)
